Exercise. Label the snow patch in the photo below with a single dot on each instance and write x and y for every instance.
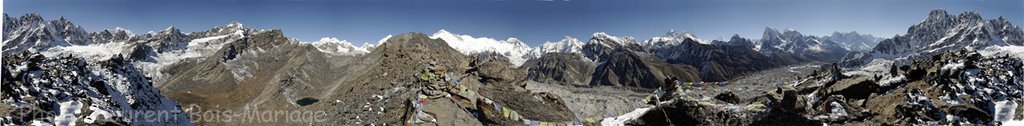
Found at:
(837, 110)
(622, 119)
(68, 113)
(1014, 51)
(96, 114)
(953, 66)
(793, 69)
(93, 52)
(1004, 111)
(879, 65)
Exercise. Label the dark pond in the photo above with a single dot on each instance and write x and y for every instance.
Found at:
(306, 101)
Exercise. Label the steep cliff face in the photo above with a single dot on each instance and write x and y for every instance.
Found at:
(31, 32)
(562, 68)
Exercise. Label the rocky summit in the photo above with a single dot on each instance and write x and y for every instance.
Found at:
(945, 70)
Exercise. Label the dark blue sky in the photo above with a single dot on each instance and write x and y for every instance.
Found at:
(531, 21)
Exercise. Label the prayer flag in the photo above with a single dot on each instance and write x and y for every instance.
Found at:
(506, 113)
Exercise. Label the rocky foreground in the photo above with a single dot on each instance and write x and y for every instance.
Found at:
(954, 88)
(67, 91)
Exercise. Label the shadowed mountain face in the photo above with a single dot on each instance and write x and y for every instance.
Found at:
(623, 70)
(563, 68)
(854, 41)
(722, 62)
(620, 61)
(619, 67)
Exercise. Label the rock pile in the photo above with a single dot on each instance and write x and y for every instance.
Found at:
(954, 88)
(43, 90)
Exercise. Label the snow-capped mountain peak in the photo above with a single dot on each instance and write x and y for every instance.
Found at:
(571, 41)
(120, 30)
(794, 42)
(736, 40)
(442, 32)
(610, 41)
(690, 35)
(32, 32)
(514, 41)
(789, 30)
(117, 34)
(169, 31)
(937, 14)
(235, 25)
(771, 34)
(512, 48)
(970, 16)
(566, 45)
(941, 31)
(331, 40)
(604, 35)
(333, 45)
(169, 28)
(790, 33)
(385, 39)
(853, 41)
(672, 38)
(682, 35)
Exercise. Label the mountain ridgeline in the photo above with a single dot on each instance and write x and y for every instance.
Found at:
(54, 66)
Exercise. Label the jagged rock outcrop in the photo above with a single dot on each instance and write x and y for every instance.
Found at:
(167, 40)
(72, 91)
(960, 87)
(113, 35)
(735, 40)
(30, 32)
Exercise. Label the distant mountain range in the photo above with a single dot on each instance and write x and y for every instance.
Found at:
(708, 58)
(168, 46)
(233, 66)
